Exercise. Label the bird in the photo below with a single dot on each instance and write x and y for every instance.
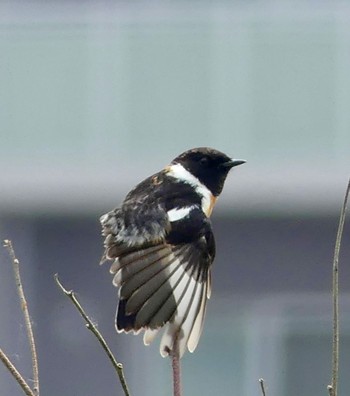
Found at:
(161, 245)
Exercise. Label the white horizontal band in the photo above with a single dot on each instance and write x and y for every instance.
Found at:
(179, 213)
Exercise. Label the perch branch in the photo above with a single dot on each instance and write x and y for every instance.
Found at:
(27, 321)
(262, 386)
(176, 364)
(117, 366)
(333, 388)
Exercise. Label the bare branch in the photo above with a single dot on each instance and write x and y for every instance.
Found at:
(117, 366)
(262, 386)
(27, 321)
(176, 364)
(15, 373)
(333, 388)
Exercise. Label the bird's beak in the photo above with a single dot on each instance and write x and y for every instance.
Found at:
(230, 164)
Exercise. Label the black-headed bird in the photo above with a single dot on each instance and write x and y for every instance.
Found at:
(162, 246)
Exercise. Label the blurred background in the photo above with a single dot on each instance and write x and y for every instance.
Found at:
(94, 97)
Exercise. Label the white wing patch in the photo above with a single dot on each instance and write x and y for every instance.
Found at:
(177, 214)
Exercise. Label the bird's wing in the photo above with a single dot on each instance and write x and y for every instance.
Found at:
(145, 217)
(132, 227)
(167, 284)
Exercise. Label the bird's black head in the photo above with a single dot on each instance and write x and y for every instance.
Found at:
(209, 166)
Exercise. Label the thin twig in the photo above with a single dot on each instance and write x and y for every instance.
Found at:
(15, 373)
(118, 366)
(175, 358)
(333, 388)
(27, 321)
(262, 386)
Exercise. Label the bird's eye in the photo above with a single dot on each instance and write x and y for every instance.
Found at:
(204, 161)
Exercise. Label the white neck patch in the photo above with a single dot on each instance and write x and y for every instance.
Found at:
(181, 174)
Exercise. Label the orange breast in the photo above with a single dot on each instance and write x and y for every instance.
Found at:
(211, 206)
